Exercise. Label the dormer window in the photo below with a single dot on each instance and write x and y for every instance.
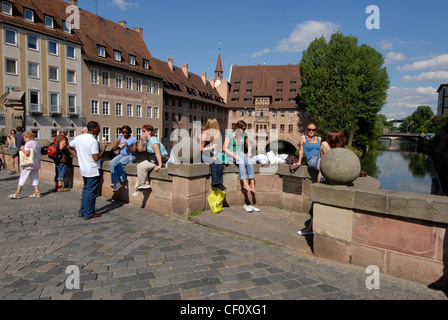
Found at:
(145, 64)
(7, 7)
(28, 15)
(67, 27)
(101, 51)
(117, 55)
(49, 22)
(132, 60)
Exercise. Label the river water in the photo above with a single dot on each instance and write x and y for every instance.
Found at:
(403, 165)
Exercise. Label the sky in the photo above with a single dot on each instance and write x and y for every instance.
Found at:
(409, 34)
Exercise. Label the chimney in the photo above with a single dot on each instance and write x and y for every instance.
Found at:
(204, 78)
(185, 69)
(73, 2)
(170, 64)
(212, 82)
(123, 24)
(139, 30)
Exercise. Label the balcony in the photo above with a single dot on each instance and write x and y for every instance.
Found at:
(73, 111)
(55, 110)
(36, 108)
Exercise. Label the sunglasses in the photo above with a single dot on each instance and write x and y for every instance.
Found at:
(124, 132)
(311, 129)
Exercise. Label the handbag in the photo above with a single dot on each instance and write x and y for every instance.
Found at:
(26, 160)
(151, 157)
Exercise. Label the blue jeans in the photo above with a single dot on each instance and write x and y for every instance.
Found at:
(243, 164)
(89, 194)
(118, 168)
(60, 171)
(313, 162)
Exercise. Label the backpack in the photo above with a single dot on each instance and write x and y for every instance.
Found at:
(53, 151)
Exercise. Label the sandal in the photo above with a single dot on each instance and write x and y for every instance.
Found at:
(14, 196)
(12, 172)
(35, 195)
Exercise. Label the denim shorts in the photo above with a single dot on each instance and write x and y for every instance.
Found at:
(60, 170)
(313, 162)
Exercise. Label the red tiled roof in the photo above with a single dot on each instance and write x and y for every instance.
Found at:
(53, 8)
(265, 83)
(177, 84)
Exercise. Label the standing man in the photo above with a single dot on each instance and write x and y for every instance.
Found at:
(87, 149)
(15, 152)
(61, 164)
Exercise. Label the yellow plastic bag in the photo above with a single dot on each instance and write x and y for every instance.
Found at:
(215, 200)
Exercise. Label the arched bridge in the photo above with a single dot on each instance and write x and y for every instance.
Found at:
(394, 136)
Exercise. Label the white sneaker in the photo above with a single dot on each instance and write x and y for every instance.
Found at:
(117, 186)
(254, 208)
(247, 208)
(136, 193)
(144, 186)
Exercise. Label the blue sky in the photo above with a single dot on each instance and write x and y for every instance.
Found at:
(410, 36)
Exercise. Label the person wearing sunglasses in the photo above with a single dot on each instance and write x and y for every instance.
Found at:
(127, 144)
(310, 147)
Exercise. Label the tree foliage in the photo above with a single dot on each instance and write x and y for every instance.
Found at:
(344, 86)
(422, 120)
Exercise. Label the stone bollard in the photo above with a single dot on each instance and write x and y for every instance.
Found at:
(340, 166)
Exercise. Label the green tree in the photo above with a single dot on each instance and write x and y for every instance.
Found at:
(344, 86)
(417, 122)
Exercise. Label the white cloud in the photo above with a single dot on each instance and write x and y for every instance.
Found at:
(124, 4)
(386, 44)
(304, 34)
(433, 76)
(441, 61)
(394, 57)
(401, 102)
(260, 53)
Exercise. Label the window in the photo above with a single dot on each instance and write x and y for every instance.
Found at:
(279, 90)
(71, 76)
(274, 113)
(36, 133)
(156, 112)
(149, 85)
(290, 128)
(138, 111)
(106, 134)
(129, 110)
(293, 90)
(293, 82)
(156, 88)
(279, 82)
(28, 14)
(53, 73)
(32, 42)
(94, 108)
(119, 109)
(129, 83)
(106, 108)
(149, 112)
(138, 133)
(105, 78)
(282, 113)
(33, 70)
(7, 7)
(282, 128)
(11, 66)
(67, 27)
(156, 132)
(11, 37)
(54, 103)
(49, 22)
(132, 60)
(72, 104)
(101, 51)
(118, 80)
(291, 113)
(70, 52)
(117, 55)
(145, 64)
(34, 99)
(248, 91)
(53, 47)
(94, 76)
(138, 85)
(249, 82)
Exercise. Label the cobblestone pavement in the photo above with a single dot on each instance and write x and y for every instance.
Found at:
(130, 253)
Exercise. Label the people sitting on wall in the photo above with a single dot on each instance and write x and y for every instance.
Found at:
(127, 144)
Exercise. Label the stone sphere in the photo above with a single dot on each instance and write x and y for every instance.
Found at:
(340, 166)
(44, 143)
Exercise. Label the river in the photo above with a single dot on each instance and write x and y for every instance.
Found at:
(403, 165)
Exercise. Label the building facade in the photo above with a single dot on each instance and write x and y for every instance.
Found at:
(120, 86)
(265, 97)
(40, 67)
(442, 103)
